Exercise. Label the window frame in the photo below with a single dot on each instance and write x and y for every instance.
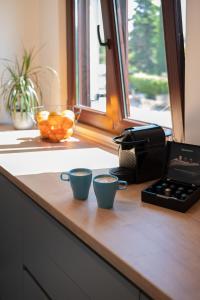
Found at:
(114, 120)
(174, 47)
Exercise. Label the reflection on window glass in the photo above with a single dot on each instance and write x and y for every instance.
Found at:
(95, 64)
(183, 13)
(147, 71)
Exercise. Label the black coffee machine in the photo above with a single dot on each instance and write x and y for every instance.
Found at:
(142, 152)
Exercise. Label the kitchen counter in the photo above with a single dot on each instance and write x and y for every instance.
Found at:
(155, 248)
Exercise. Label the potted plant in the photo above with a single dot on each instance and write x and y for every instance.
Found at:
(21, 90)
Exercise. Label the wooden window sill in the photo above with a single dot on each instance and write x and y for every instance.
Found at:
(98, 136)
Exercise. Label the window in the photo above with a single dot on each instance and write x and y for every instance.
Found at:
(148, 92)
(90, 56)
(137, 75)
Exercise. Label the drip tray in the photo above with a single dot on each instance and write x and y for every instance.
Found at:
(123, 173)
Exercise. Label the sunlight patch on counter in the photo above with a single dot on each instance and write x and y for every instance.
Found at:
(52, 161)
(15, 137)
(19, 140)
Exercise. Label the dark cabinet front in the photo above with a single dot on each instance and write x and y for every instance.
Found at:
(31, 290)
(40, 259)
(11, 241)
(51, 249)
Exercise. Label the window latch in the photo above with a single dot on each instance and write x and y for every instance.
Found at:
(107, 43)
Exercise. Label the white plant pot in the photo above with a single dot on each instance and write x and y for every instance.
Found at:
(22, 120)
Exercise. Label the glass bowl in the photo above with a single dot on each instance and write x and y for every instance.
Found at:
(55, 126)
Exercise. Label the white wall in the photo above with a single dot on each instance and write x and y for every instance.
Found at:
(192, 78)
(36, 23)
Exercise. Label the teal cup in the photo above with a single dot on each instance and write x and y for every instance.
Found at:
(105, 187)
(80, 181)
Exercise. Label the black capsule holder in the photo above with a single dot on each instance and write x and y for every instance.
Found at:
(179, 188)
(181, 197)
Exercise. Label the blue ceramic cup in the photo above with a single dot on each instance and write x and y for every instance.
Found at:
(80, 180)
(105, 187)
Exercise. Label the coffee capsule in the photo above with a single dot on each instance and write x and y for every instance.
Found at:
(183, 196)
(167, 192)
(172, 186)
(159, 189)
(164, 185)
(178, 193)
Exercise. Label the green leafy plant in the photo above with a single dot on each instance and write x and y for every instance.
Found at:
(150, 85)
(20, 83)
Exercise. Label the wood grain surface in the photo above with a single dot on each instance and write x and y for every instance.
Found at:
(156, 248)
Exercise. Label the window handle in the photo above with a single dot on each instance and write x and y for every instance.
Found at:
(107, 43)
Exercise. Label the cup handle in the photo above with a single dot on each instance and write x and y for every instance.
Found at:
(122, 185)
(62, 176)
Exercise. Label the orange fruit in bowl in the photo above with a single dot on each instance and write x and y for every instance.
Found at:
(44, 128)
(55, 120)
(52, 137)
(69, 133)
(68, 113)
(67, 122)
(60, 134)
(42, 115)
(54, 113)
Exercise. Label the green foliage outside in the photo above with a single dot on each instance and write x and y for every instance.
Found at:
(150, 85)
(147, 50)
(102, 55)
